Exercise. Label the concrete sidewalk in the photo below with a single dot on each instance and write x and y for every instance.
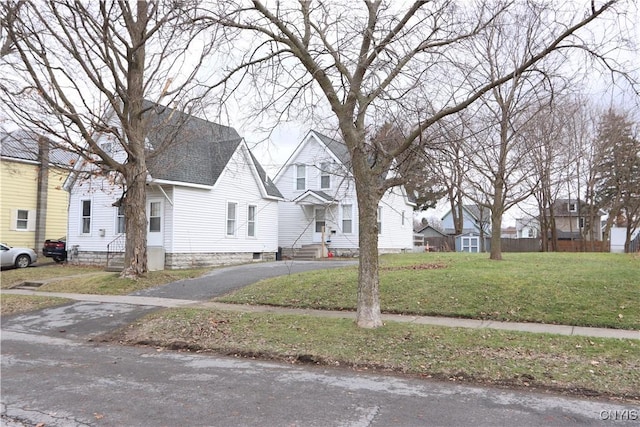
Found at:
(422, 320)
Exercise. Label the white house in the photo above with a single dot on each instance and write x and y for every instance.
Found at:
(321, 204)
(209, 202)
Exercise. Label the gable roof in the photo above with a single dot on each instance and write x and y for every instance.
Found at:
(269, 186)
(338, 148)
(315, 196)
(474, 211)
(23, 146)
(189, 149)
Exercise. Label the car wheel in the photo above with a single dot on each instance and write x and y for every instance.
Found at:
(58, 259)
(23, 261)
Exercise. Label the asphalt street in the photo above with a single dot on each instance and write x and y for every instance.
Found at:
(55, 374)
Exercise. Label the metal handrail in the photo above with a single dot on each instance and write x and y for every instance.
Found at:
(116, 247)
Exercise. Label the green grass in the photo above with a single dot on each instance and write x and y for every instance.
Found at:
(15, 276)
(577, 365)
(584, 289)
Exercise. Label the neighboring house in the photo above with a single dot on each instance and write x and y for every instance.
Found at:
(321, 203)
(208, 202)
(474, 219)
(34, 204)
(432, 239)
(527, 228)
(571, 217)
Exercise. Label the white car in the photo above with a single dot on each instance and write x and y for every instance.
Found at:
(17, 257)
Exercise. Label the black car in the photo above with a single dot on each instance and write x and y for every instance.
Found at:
(56, 249)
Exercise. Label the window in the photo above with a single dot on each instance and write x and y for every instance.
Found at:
(251, 220)
(231, 218)
(325, 177)
(320, 219)
(155, 217)
(580, 222)
(23, 220)
(120, 220)
(402, 217)
(470, 243)
(347, 219)
(572, 207)
(301, 177)
(379, 219)
(85, 207)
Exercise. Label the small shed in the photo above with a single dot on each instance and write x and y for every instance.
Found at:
(470, 242)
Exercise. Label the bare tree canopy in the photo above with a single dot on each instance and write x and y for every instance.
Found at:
(372, 62)
(79, 72)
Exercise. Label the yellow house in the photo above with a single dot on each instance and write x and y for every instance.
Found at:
(33, 204)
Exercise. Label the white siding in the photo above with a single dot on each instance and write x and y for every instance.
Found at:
(200, 215)
(195, 220)
(394, 234)
(296, 221)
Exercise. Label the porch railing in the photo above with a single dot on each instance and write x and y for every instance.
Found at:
(115, 250)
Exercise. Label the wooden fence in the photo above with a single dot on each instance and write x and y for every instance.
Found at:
(582, 246)
(448, 244)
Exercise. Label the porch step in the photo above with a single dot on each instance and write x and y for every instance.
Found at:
(307, 252)
(115, 264)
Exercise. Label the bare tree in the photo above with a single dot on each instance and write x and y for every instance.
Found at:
(82, 71)
(365, 61)
(618, 171)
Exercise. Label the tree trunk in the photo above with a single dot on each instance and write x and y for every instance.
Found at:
(135, 258)
(368, 311)
(496, 242)
(135, 170)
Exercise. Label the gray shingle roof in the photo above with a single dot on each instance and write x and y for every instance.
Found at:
(187, 148)
(269, 186)
(193, 150)
(22, 145)
(339, 149)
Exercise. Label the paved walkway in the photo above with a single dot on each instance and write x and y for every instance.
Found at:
(422, 320)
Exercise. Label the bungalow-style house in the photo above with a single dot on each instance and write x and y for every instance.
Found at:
(34, 204)
(476, 221)
(572, 216)
(321, 208)
(209, 202)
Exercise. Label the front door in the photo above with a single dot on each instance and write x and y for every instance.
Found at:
(155, 222)
(319, 218)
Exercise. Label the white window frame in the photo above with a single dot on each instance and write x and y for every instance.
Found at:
(349, 219)
(466, 245)
(84, 217)
(298, 178)
(572, 207)
(252, 222)
(379, 219)
(29, 222)
(120, 220)
(324, 173)
(233, 222)
(581, 222)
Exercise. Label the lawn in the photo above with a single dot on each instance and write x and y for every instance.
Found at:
(581, 289)
(568, 364)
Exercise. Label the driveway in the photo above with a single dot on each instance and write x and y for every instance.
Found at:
(224, 280)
